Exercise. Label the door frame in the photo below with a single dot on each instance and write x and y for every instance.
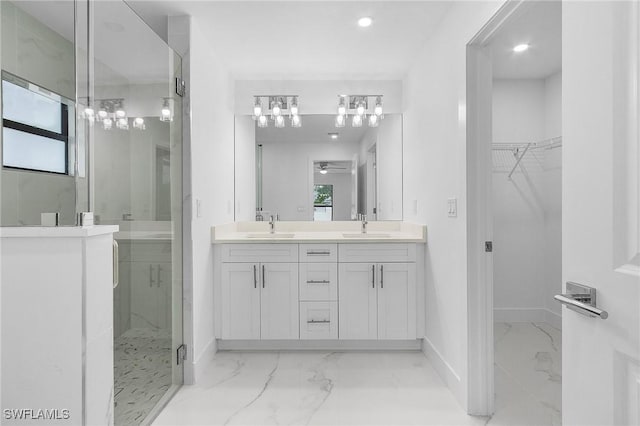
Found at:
(480, 345)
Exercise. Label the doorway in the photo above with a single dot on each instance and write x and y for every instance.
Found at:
(514, 167)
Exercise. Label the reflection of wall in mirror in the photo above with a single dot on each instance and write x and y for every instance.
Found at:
(287, 175)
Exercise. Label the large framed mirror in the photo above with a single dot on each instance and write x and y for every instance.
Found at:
(319, 172)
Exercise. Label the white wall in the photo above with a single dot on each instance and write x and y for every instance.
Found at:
(389, 168)
(435, 170)
(527, 246)
(341, 192)
(287, 177)
(212, 170)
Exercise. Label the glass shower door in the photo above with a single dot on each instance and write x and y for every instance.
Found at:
(136, 171)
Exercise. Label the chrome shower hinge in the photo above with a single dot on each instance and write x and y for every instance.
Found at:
(181, 86)
(181, 353)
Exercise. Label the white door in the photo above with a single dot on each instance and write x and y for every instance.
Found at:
(600, 358)
(241, 293)
(397, 301)
(357, 306)
(279, 301)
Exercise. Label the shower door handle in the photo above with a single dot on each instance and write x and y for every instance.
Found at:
(116, 265)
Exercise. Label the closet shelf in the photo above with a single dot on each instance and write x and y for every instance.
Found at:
(519, 150)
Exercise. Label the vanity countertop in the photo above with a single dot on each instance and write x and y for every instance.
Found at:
(318, 232)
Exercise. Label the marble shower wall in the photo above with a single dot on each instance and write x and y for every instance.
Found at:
(35, 52)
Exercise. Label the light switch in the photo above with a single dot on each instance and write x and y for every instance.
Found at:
(452, 207)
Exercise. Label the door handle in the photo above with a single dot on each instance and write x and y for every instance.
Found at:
(381, 276)
(116, 264)
(263, 276)
(581, 299)
(151, 282)
(158, 279)
(255, 276)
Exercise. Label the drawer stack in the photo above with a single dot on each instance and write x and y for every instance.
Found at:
(318, 290)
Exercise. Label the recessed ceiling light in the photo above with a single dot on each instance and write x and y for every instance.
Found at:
(365, 21)
(521, 48)
(333, 135)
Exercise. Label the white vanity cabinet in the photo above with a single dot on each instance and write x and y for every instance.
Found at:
(259, 290)
(377, 298)
(317, 291)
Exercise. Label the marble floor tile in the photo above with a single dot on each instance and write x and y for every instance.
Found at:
(370, 388)
(317, 388)
(528, 374)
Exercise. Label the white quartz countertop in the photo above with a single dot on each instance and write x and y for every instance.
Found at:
(326, 232)
(56, 231)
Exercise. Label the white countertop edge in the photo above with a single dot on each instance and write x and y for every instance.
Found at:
(56, 231)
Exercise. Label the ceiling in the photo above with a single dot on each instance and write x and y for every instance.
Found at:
(306, 39)
(538, 24)
(315, 129)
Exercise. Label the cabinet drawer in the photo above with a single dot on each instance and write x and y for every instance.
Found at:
(377, 252)
(318, 253)
(265, 253)
(318, 320)
(318, 281)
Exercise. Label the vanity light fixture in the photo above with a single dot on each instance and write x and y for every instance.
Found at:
(276, 108)
(111, 110)
(521, 48)
(357, 106)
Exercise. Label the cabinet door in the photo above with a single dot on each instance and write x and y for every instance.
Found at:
(241, 296)
(144, 295)
(397, 301)
(279, 301)
(357, 307)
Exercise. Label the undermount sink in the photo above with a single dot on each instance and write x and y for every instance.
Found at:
(269, 235)
(367, 235)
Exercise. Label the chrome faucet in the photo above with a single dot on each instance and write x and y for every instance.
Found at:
(272, 225)
(364, 224)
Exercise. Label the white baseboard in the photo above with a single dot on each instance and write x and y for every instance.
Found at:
(444, 369)
(553, 318)
(318, 345)
(527, 315)
(198, 366)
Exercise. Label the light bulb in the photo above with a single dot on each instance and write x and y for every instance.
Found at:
(340, 120)
(120, 113)
(257, 108)
(138, 123)
(365, 21)
(356, 121)
(333, 136)
(102, 114)
(276, 110)
(122, 124)
(342, 108)
(294, 109)
(107, 123)
(377, 110)
(296, 121)
(360, 109)
(373, 120)
(279, 121)
(323, 172)
(262, 121)
(89, 113)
